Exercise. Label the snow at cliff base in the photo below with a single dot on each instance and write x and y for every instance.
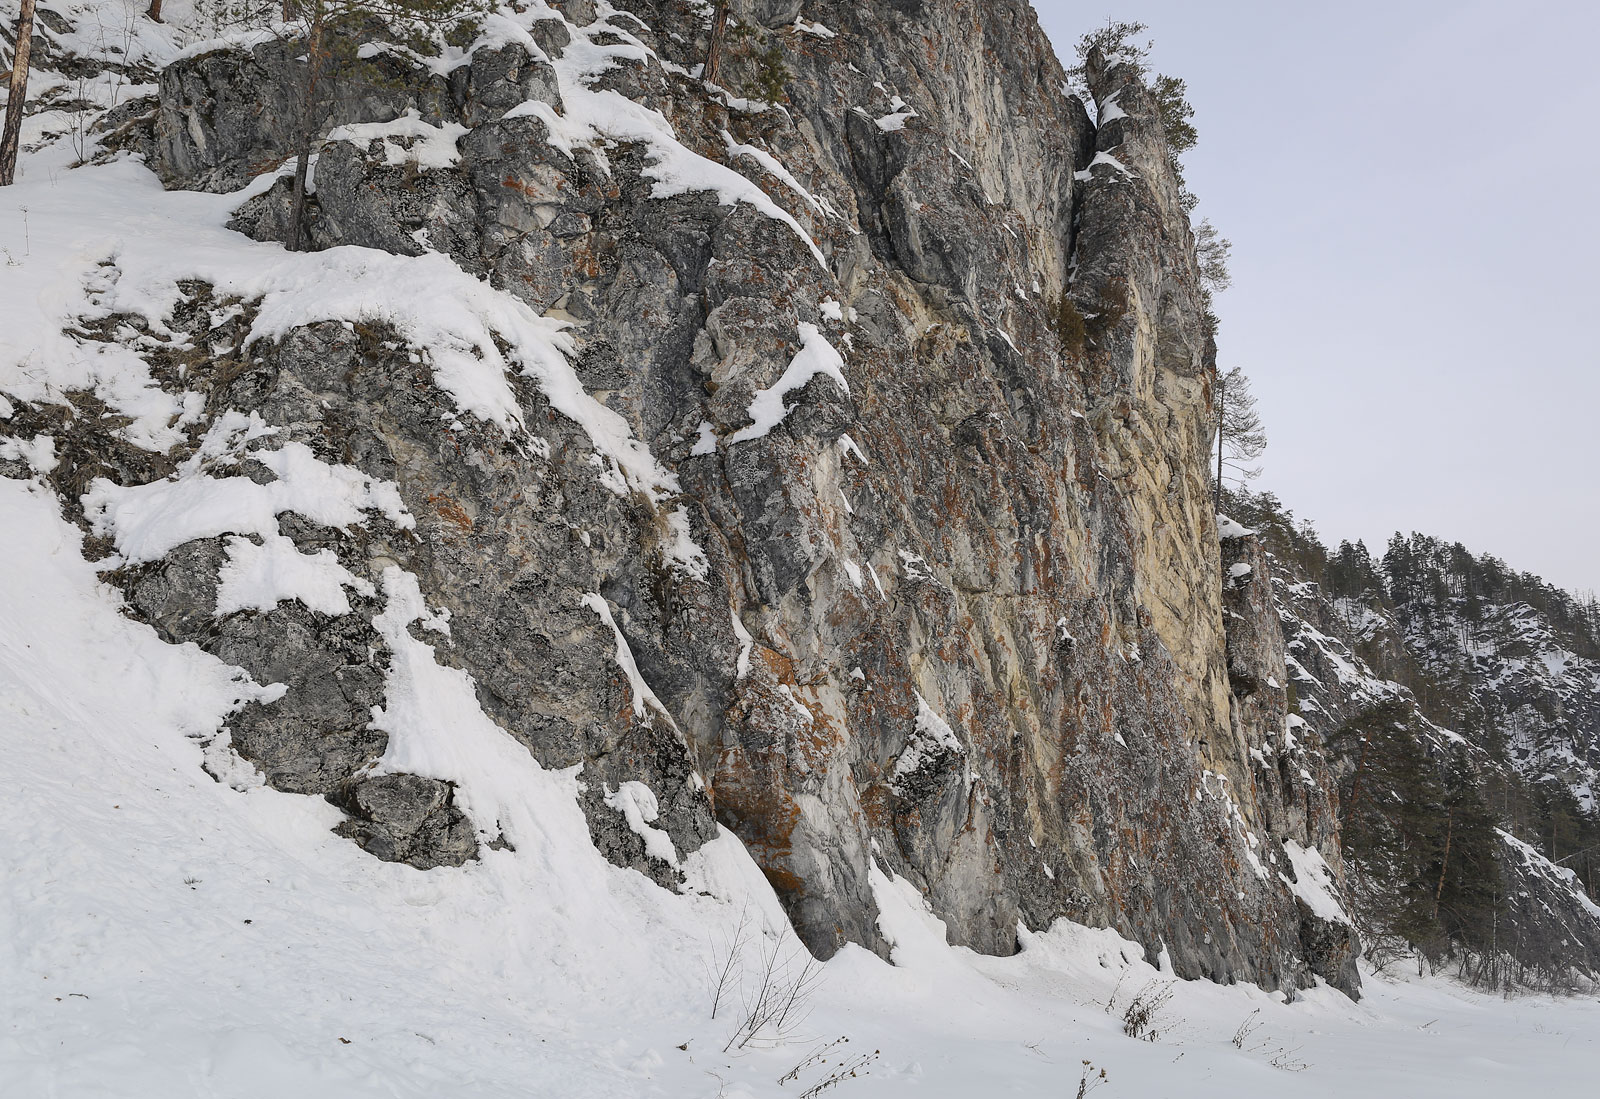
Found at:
(164, 933)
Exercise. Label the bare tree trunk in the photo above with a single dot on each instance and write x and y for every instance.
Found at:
(1444, 865)
(297, 214)
(308, 119)
(11, 135)
(1355, 782)
(154, 11)
(719, 26)
(1222, 396)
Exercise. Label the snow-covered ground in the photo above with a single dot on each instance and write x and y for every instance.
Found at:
(166, 934)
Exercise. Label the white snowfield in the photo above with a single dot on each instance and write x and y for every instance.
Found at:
(170, 927)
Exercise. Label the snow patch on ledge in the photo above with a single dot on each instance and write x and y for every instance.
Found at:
(592, 118)
(148, 521)
(437, 729)
(900, 114)
(746, 644)
(1314, 882)
(1109, 161)
(39, 454)
(1110, 110)
(258, 578)
(407, 139)
(931, 739)
(772, 166)
(644, 699)
(817, 30)
(682, 554)
(847, 445)
(1230, 528)
(638, 805)
(816, 356)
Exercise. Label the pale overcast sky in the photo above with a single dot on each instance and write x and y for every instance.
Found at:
(1413, 195)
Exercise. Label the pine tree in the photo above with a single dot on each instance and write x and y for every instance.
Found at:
(1467, 895)
(1117, 43)
(1240, 435)
(1417, 835)
(1211, 251)
(1172, 100)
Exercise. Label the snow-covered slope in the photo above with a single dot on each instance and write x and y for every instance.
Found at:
(171, 932)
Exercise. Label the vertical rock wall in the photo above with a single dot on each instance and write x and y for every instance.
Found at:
(923, 576)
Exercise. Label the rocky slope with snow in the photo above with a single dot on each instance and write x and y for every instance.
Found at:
(1504, 672)
(726, 455)
(1512, 656)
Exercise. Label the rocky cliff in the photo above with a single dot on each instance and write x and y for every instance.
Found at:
(739, 453)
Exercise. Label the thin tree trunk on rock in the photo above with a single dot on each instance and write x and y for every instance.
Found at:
(11, 135)
(719, 26)
(1449, 832)
(1355, 784)
(302, 164)
(297, 214)
(1222, 406)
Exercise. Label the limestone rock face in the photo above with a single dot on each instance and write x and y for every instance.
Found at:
(930, 577)
(1294, 785)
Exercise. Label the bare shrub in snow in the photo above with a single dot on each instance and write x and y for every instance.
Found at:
(1116, 990)
(723, 967)
(815, 1057)
(1288, 1059)
(1139, 1018)
(847, 1066)
(779, 999)
(1250, 1025)
(1281, 1057)
(1090, 1079)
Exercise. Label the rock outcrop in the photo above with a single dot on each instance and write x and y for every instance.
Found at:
(1293, 780)
(843, 536)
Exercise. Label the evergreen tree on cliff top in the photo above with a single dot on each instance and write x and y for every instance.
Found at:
(1241, 437)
